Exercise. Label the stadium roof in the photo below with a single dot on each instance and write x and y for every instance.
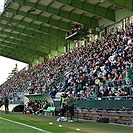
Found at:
(30, 29)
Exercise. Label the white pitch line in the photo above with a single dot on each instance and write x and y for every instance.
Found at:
(19, 123)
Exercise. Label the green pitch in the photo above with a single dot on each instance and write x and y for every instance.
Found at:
(22, 123)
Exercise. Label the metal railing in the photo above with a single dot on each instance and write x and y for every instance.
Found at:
(119, 84)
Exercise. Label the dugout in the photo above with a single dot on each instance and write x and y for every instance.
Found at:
(16, 106)
(39, 97)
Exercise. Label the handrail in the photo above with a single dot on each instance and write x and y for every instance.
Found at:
(117, 97)
(127, 81)
(128, 97)
(122, 83)
(59, 79)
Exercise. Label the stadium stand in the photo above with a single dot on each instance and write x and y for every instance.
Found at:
(99, 74)
(92, 74)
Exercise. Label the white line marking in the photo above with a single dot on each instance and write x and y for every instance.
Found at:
(19, 123)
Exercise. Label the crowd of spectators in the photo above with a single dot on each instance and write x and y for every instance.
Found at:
(102, 68)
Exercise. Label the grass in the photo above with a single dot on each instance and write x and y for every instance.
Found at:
(8, 127)
(42, 122)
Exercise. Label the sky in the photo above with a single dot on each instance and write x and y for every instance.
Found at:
(1, 5)
(6, 64)
(6, 67)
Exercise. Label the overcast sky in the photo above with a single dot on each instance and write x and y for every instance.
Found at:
(1, 5)
(6, 64)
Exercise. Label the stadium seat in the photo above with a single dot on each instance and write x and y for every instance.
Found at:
(50, 111)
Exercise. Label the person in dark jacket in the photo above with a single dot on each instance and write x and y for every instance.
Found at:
(70, 103)
(6, 103)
